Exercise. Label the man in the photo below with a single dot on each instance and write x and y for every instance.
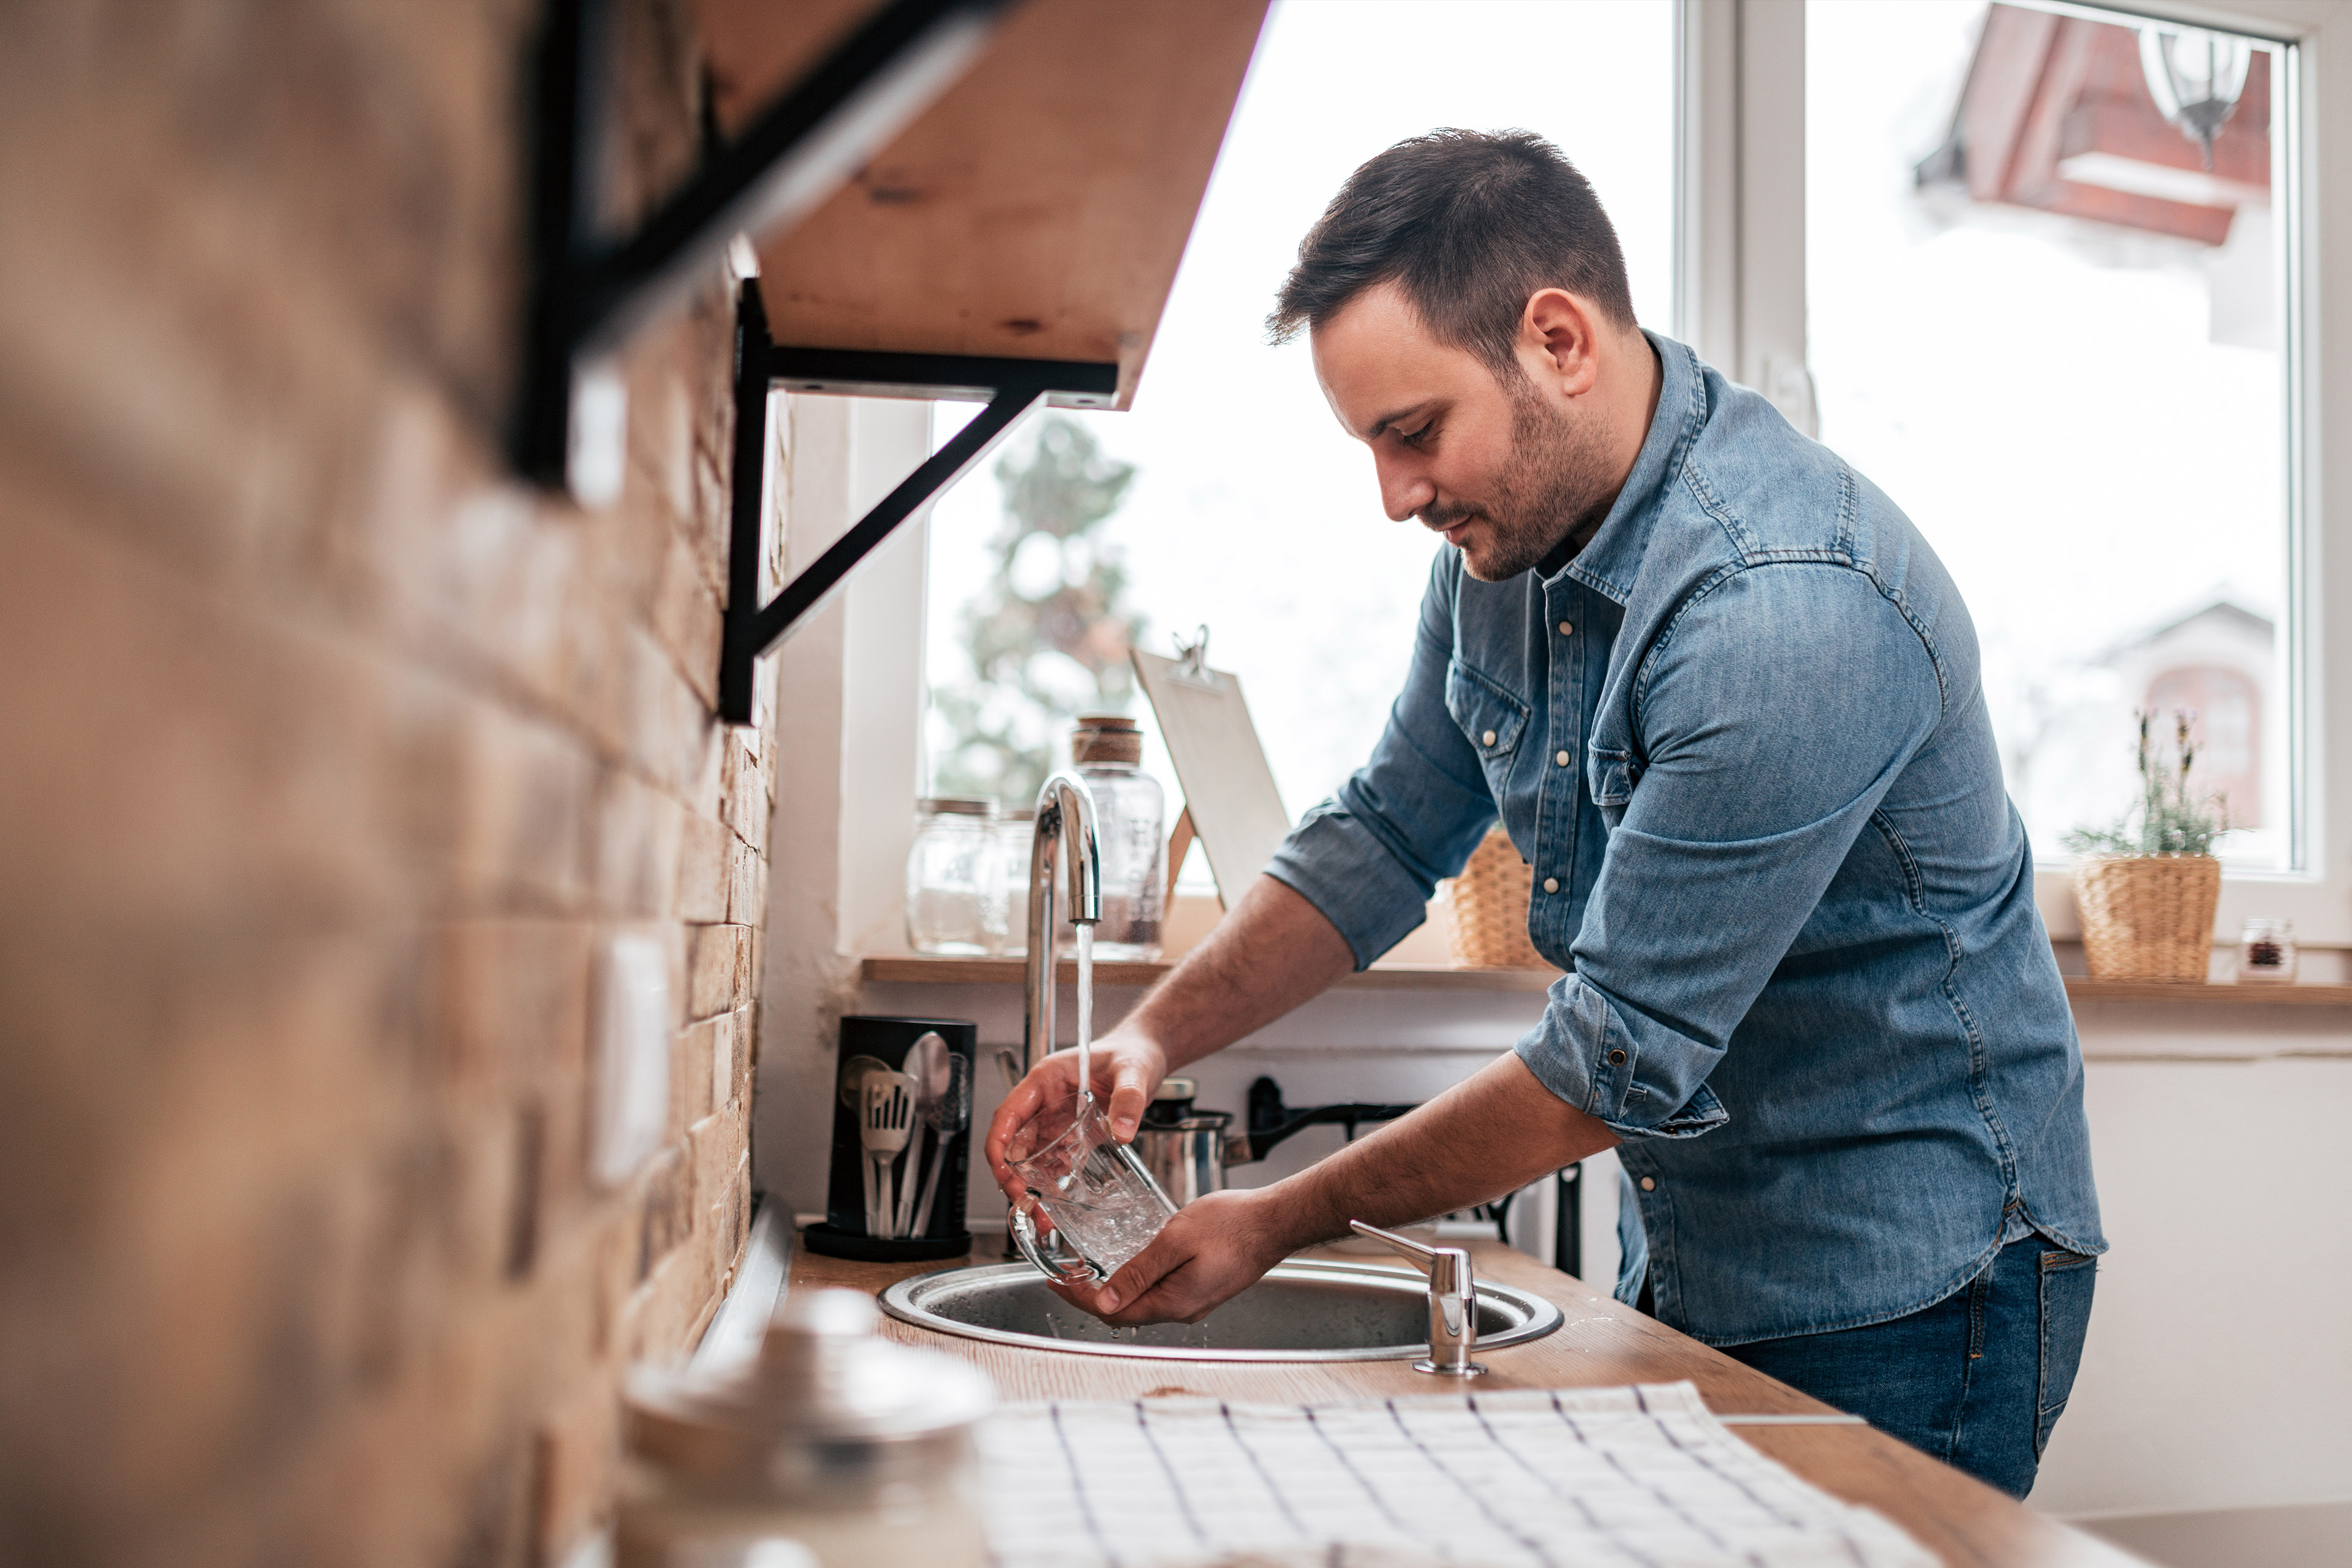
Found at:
(1726, 702)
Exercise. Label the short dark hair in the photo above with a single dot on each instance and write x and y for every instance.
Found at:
(1469, 223)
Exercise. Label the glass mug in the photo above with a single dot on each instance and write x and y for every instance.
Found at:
(1101, 1203)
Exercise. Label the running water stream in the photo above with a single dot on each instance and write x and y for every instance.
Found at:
(1086, 1015)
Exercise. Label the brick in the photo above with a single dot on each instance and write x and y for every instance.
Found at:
(564, 1165)
(493, 1183)
(719, 968)
(745, 788)
(705, 784)
(511, 1003)
(726, 1058)
(463, 561)
(666, 721)
(574, 1453)
(665, 1211)
(747, 886)
(712, 524)
(687, 620)
(705, 869)
(764, 677)
(718, 1154)
(524, 1192)
(691, 1052)
(521, 790)
(639, 835)
(666, 1316)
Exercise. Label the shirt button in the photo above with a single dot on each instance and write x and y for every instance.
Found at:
(1616, 1059)
(1566, 629)
(1649, 1183)
(1560, 757)
(1487, 739)
(1551, 884)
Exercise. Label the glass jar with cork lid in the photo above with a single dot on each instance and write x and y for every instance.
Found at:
(1108, 750)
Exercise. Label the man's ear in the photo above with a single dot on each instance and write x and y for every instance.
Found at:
(1557, 341)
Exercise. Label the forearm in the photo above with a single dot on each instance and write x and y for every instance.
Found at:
(1272, 951)
(1492, 1135)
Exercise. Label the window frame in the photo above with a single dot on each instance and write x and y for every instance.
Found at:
(1741, 304)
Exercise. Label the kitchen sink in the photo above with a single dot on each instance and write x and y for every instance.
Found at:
(1305, 1309)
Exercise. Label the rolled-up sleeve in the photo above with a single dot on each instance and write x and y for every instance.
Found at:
(1772, 719)
(1370, 857)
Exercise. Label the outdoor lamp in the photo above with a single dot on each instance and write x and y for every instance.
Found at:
(2195, 78)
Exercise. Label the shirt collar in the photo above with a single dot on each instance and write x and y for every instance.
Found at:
(1610, 563)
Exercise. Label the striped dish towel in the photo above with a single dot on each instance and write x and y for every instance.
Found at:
(1642, 1477)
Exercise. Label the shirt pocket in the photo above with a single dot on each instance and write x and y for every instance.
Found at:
(1613, 774)
(1490, 718)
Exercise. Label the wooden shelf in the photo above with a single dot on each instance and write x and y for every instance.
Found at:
(1036, 210)
(921, 970)
(2081, 988)
(924, 971)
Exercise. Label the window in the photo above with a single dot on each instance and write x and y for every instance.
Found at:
(2153, 539)
(1228, 495)
(2056, 327)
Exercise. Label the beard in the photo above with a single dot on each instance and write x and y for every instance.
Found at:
(1556, 486)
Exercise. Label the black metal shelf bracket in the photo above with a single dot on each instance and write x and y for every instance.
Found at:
(589, 290)
(1010, 388)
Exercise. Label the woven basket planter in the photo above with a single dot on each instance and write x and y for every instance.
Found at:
(2148, 917)
(1490, 909)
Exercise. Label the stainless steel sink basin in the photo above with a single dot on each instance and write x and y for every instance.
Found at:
(1302, 1310)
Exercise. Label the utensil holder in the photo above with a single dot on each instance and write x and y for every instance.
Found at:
(889, 1042)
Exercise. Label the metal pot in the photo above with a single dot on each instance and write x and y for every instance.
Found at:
(1188, 1151)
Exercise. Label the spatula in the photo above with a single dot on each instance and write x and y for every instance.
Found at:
(889, 1111)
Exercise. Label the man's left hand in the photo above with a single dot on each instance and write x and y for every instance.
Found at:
(1216, 1248)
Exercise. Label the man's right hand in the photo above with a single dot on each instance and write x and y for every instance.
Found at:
(1127, 1062)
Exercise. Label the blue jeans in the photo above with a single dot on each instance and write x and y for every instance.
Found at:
(1978, 1380)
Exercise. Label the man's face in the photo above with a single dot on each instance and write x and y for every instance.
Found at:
(1503, 472)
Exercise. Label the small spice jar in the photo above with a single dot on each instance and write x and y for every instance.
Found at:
(836, 1449)
(952, 873)
(2267, 955)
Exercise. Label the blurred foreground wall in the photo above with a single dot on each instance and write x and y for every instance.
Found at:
(330, 757)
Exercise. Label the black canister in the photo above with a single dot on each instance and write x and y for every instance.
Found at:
(911, 1078)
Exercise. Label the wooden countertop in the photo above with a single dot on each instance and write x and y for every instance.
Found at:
(1602, 1343)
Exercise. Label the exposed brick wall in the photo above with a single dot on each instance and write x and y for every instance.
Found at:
(328, 756)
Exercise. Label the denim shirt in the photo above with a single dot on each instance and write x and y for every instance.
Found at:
(1741, 740)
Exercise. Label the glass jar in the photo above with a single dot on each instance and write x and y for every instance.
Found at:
(1130, 834)
(2267, 955)
(951, 876)
(1011, 836)
(836, 1449)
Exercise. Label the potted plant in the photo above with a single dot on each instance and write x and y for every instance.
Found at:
(2146, 887)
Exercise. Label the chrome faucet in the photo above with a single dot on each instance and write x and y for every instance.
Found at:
(1453, 1302)
(1066, 814)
